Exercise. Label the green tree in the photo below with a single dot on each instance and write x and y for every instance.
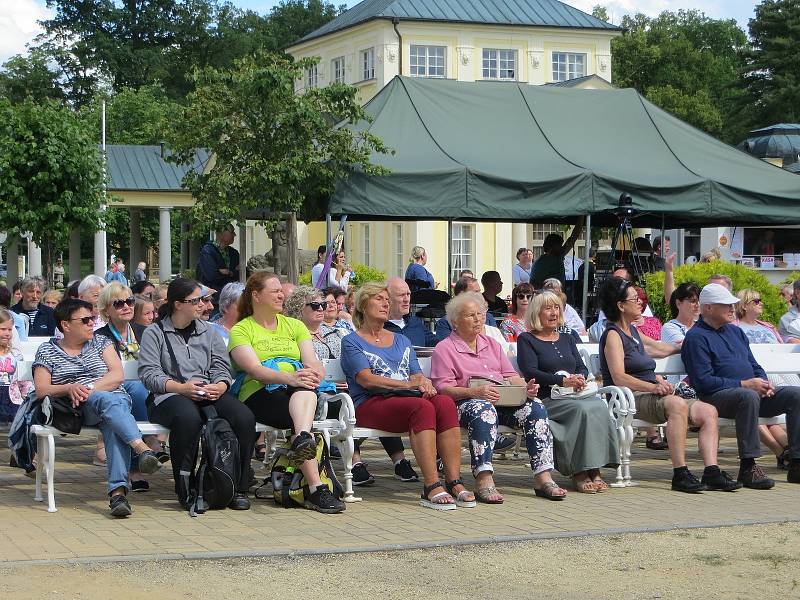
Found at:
(273, 150)
(773, 67)
(30, 77)
(600, 12)
(51, 175)
(292, 19)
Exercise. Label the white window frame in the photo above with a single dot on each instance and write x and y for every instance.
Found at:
(398, 250)
(312, 77)
(338, 70)
(366, 242)
(366, 62)
(462, 249)
(565, 65)
(421, 58)
(495, 64)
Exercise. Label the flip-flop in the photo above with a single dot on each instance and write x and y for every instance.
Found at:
(485, 494)
(431, 502)
(546, 491)
(461, 498)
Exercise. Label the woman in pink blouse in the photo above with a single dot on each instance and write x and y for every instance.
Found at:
(514, 324)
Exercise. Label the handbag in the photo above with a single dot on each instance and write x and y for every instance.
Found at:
(58, 412)
(510, 395)
(557, 392)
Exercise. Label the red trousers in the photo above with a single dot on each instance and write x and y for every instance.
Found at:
(404, 413)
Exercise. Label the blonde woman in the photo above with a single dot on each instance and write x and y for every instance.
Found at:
(417, 276)
(52, 297)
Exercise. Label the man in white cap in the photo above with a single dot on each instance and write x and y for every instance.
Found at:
(724, 372)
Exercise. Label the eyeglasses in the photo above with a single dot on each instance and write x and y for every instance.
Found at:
(85, 320)
(192, 301)
(318, 305)
(756, 300)
(207, 299)
(118, 304)
(524, 296)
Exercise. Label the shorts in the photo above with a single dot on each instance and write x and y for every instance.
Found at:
(650, 407)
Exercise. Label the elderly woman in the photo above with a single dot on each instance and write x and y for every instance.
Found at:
(228, 309)
(417, 276)
(282, 373)
(86, 369)
(390, 393)
(185, 365)
(52, 297)
(571, 317)
(514, 324)
(649, 326)
(626, 360)
(585, 437)
(468, 353)
(684, 306)
(89, 291)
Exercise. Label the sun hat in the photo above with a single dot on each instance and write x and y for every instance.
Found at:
(714, 293)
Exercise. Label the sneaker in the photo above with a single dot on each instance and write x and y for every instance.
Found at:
(360, 475)
(140, 485)
(148, 462)
(404, 471)
(686, 482)
(119, 506)
(239, 502)
(720, 482)
(755, 478)
(505, 443)
(793, 475)
(656, 443)
(322, 500)
(304, 447)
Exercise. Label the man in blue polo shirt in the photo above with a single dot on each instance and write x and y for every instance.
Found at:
(724, 372)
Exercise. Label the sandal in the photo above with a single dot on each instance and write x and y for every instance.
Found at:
(484, 495)
(463, 499)
(260, 452)
(656, 443)
(547, 491)
(597, 480)
(432, 502)
(584, 486)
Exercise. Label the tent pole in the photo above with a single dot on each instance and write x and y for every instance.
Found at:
(449, 256)
(327, 230)
(663, 236)
(586, 248)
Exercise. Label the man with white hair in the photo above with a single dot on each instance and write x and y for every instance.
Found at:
(41, 321)
(725, 374)
(400, 318)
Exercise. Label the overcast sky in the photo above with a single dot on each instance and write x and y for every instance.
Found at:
(18, 17)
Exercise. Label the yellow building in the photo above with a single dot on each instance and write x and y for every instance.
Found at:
(534, 41)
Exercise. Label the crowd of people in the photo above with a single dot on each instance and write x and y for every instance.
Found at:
(255, 353)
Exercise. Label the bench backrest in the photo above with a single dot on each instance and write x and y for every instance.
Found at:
(129, 367)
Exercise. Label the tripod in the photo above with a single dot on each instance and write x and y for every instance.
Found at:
(623, 238)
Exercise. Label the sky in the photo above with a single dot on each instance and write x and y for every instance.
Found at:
(18, 18)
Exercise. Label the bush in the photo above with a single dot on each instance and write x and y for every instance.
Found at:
(363, 274)
(742, 277)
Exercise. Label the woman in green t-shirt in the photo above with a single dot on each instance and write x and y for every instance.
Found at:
(282, 375)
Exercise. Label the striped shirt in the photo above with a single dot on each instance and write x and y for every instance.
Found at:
(64, 368)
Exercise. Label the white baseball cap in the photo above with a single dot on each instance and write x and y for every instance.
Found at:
(714, 293)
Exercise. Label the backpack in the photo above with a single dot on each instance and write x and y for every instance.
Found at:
(20, 439)
(289, 486)
(214, 484)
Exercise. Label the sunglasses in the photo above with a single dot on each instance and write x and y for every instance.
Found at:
(207, 299)
(85, 320)
(524, 296)
(756, 301)
(118, 304)
(192, 301)
(318, 305)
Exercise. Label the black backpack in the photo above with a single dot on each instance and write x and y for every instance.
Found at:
(20, 438)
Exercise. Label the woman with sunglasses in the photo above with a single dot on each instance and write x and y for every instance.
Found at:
(684, 305)
(514, 324)
(185, 364)
(115, 306)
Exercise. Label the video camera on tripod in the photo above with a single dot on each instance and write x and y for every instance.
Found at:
(639, 259)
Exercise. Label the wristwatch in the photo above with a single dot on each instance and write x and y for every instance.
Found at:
(89, 385)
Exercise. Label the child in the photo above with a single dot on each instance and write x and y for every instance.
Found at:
(12, 391)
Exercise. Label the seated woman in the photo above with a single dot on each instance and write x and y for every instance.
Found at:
(228, 309)
(649, 326)
(282, 374)
(468, 353)
(585, 437)
(514, 324)
(86, 369)
(571, 317)
(626, 360)
(199, 376)
(684, 306)
(115, 306)
(390, 393)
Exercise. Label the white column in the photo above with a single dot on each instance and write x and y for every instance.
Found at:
(34, 259)
(519, 236)
(164, 244)
(100, 249)
(135, 231)
(12, 258)
(74, 255)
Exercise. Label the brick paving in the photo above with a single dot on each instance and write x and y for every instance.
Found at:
(388, 517)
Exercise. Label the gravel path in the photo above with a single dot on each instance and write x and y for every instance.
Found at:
(734, 562)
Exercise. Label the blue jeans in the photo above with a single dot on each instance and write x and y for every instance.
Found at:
(138, 394)
(111, 412)
(481, 419)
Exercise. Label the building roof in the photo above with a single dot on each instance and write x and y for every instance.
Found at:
(588, 81)
(540, 13)
(142, 168)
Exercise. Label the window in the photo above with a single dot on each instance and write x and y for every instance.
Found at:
(337, 69)
(312, 79)
(541, 231)
(499, 64)
(427, 61)
(463, 249)
(367, 62)
(365, 243)
(568, 65)
(398, 250)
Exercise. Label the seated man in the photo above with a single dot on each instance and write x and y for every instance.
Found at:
(493, 285)
(789, 327)
(724, 372)
(400, 318)
(40, 316)
(443, 327)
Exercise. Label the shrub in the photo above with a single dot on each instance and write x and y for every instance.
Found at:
(363, 274)
(742, 277)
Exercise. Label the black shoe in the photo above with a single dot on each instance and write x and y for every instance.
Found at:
(163, 457)
(505, 443)
(656, 443)
(304, 447)
(404, 471)
(322, 500)
(140, 486)
(239, 502)
(793, 475)
(148, 462)
(720, 482)
(333, 451)
(686, 482)
(119, 506)
(360, 475)
(783, 460)
(755, 478)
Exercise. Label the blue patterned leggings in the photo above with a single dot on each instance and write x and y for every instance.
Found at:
(481, 419)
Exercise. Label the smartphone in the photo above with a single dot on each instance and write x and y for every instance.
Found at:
(201, 384)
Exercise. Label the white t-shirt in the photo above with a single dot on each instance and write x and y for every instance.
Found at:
(316, 271)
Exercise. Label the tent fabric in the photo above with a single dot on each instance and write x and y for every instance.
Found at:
(497, 151)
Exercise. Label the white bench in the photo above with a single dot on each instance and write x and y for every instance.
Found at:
(338, 430)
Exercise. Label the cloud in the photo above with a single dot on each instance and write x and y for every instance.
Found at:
(18, 22)
(741, 10)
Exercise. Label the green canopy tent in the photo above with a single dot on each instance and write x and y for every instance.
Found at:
(501, 151)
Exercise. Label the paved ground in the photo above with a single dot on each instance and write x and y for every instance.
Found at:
(388, 518)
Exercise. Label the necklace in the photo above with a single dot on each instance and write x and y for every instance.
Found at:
(376, 336)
